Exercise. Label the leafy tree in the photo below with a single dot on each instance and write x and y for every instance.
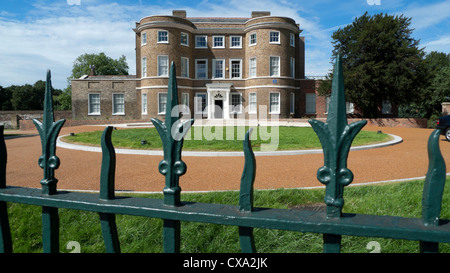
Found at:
(434, 92)
(5, 99)
(63, 101)
(381, 61)
(103, 64)
(29, 97)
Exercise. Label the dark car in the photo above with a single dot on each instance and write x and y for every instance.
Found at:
(444, 124)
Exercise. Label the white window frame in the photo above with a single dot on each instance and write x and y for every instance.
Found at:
(144, 67)
(252, 71)
(214, 41)
(184, 69)
(144, 100)
(196, 69)
(143, 38)
(292, 39)
(163, 42)
(270, 66)
(252, 109)
(214, 68)
(197, 105)
(292, 65)
(270, 37)
(250, 43)
(231, 41)
(161, 111)
(292, 103)
(310, 103)
(232, 108)
(201, 36)
(160, 74)
(185, 99)
(187, 39)
(271, 111)
(115, 112)
(92, 113)
(240, 68)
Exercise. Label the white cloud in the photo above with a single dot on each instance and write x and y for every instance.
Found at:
(441, 44)
(52, 35)
(428, 15)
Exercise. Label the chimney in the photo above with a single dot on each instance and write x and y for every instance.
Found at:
(179, 13)
(260, 13)
(92, 72)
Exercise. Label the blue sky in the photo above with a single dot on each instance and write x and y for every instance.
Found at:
(36, 35)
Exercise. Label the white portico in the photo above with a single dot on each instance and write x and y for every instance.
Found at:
(218, 97)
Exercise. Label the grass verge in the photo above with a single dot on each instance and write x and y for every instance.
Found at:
(144, 235)
(217, 138)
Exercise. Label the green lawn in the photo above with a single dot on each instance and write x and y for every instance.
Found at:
(223, 138)
(144, 235)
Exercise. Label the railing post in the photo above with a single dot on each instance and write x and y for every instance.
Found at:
(433, 189)
(48, 131)
(336, 137)
(246, 194)
(172, 133)
(5, 232)
(107, 181)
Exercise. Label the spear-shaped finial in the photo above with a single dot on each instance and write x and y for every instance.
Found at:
(48, 131)
(336, 137)
(172, 132)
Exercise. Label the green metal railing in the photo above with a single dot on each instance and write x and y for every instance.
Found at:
(335, 135)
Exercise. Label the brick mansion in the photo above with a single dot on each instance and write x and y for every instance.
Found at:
(225, 67)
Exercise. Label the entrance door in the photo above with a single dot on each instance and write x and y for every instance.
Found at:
(218, 108)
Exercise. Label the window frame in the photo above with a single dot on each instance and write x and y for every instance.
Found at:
(185, 94)
(159, 65)
(278, 35)
(231, 42)
(214, 68)
(240, 68)
(311, 102)
(187, 39)
(250, 39)
(214, 41)
(144, 103)
(292, 103)
(250, 68)
(292, 67)
(186, 66)
(232, 108)
(144, 67)
(158, 37)
(270, 103)
(114, 106)
(250, 109)
(91, 113)
(200, 36)
(270, 66)
(143, 38)
(292, 39)
(196, 105)
(163, 112)
(206, 69)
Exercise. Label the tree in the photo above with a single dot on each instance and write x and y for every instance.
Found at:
(5, 99)
(29, 97)
(381, 61)
(434, 92)
(103, 64)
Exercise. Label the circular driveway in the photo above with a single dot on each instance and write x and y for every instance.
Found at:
(80, 170)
